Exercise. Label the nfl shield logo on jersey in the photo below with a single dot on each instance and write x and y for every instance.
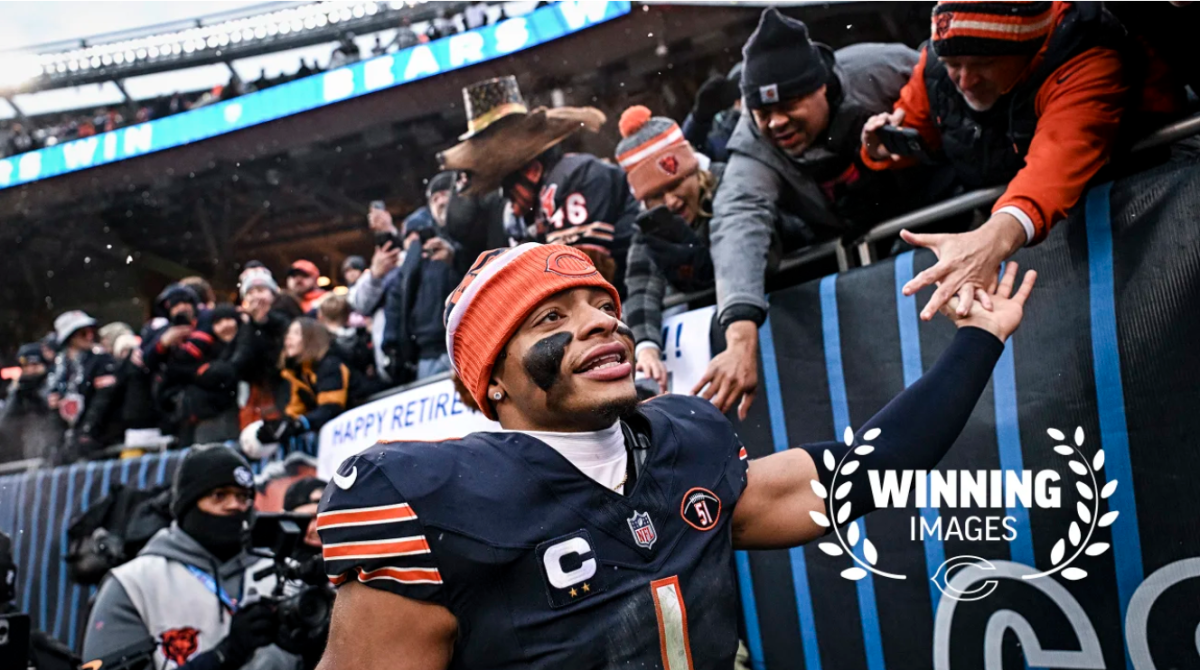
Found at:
(643, 529)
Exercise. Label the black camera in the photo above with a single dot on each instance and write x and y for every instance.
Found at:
(383, 238)
(14, 627)
(303, 596)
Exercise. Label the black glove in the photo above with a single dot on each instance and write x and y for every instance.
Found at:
(686, 266)
(217, 376)
(266, 432)
(715, 95)
(278, 430)
(252, 627)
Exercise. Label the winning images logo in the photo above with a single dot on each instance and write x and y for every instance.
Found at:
(960, 489)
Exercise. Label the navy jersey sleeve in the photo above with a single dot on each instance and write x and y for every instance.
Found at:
(371, 533)
(588, 204)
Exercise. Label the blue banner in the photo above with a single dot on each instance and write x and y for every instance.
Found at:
(382, 72)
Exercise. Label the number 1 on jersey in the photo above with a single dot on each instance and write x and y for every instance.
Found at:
(672, 624)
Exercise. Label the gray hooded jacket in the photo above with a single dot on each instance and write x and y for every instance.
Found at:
(771, 203)
(156, 594)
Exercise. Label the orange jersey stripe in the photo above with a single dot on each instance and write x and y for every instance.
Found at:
(742, 453)
(403, 546)
(402, 575)
(365, 516)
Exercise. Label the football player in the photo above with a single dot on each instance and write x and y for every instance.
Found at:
(592, 531)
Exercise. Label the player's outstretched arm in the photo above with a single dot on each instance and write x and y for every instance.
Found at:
(375, 629)
(917, 428)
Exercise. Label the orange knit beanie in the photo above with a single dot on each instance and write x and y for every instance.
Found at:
(496, 296)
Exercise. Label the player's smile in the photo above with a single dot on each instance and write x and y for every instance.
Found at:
(607, 362)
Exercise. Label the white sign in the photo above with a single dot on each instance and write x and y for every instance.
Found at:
(436, 412)
(430, 412)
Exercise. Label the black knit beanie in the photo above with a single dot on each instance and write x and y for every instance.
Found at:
(204, 470)
(300, 492)
(780, 62)
(442, 181)
(223, 311)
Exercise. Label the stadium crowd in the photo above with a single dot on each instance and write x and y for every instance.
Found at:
(797, 145)
(21, 135)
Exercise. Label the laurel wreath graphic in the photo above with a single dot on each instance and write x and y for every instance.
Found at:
(845, 545)
(1089, 516)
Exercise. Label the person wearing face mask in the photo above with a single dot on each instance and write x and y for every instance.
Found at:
(794, 175)
(28, 428)
(193, 588)
(315, 383)
(669, 253)
(302, 497)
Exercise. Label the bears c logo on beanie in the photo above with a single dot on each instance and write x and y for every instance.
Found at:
(653, 152)
(499, 291)
(570, 265)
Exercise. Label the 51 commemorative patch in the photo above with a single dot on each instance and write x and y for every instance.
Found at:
(701, 509)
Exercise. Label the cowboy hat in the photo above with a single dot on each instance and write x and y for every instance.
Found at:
(503, 134)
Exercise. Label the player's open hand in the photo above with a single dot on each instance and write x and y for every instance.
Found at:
(1007, 309)
(732, 375)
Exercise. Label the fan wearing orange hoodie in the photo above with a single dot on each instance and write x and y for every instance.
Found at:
(1028, 94)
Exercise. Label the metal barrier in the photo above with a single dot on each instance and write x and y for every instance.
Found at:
(21, 466)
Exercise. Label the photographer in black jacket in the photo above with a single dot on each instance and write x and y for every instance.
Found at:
(45, 652)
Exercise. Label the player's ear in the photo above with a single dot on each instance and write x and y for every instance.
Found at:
(496, 393)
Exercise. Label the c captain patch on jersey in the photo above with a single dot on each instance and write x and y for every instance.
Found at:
(542, 567)
(570, 568)
(701, 508)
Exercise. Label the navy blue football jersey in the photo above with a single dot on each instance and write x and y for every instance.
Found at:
(542, 566)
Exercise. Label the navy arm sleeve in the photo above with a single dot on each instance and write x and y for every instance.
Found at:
(371, 533)
(919, 426)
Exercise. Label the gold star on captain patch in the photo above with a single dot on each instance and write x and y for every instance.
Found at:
(574, 593)
(586, 588)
